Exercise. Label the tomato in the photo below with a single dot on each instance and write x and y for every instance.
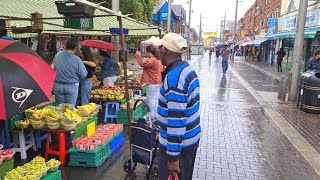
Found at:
(7, 152)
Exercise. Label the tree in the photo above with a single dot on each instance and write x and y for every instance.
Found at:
(140, 9)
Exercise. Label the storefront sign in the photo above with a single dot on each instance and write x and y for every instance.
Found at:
(78, 23)
(91, 129)
(290, 23)
(272, 30)
(312, 18)
(272, 21)
(213, 34)
(164, 16)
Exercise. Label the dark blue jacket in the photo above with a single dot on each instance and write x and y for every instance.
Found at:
(107, 68)
(313, 64)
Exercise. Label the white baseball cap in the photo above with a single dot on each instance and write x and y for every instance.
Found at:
(174, 42)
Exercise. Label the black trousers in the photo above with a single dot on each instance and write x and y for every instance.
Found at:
(186, 161)
(279, 66)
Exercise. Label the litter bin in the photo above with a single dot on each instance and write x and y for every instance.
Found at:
(309, 92)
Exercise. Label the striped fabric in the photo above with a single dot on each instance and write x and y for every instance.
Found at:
(178, 110)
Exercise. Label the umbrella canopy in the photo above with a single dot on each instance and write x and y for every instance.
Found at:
(99, 44)
(25, 79)
(222, 45)
(152, 41)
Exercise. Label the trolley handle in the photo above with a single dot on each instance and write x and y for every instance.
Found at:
(148, 109)
(136, 103)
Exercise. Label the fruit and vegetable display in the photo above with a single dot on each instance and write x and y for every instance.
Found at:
(6, 155)
(35, 169)
(129, 74)
(132, 101)
(133, 82)
(62, 116)
(114, 93)
(103, 134)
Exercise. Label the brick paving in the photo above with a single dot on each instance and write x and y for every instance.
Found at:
(238, 140)
(308, 125)
(266, 68)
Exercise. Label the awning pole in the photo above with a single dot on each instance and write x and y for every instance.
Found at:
(124, 62)
(160, 35)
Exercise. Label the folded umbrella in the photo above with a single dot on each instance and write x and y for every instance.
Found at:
(99, 44)
(25, 79)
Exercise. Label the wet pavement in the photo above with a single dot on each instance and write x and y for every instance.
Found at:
(270, 70)
(308, 125)
(238, 140)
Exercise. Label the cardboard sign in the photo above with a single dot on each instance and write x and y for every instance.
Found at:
(91, 129)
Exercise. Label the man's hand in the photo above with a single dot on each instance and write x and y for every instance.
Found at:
(157, 136)
(173, 167)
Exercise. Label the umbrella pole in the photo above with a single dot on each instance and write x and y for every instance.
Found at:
(124, 61)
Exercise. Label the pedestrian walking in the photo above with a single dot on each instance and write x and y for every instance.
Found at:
(151, 76)
(70, 70)
(280, 55)
(86, 83)
(210, 53)
(107, 69)
(178, 111)
(217, 53)
(314, 63)
(225, 58)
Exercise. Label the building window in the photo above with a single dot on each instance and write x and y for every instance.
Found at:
(276, 14)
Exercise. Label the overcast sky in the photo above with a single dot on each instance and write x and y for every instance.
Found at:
(213, 11)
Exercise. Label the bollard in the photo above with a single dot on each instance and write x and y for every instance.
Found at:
(284, 89)
(280, 87)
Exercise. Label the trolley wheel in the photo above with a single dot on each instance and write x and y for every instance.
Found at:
(127, 166)
(154, 174)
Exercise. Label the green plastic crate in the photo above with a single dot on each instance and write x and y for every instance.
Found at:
(82, 129)
(90, 159)
(122, 119)
(53, 176)
(5, 167)
(15, 118)
(144, 90)
(50, 104)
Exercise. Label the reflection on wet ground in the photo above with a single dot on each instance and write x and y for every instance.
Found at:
(238, 141)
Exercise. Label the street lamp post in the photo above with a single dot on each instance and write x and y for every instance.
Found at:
(169, 16)
(235, 30)
(200, 33)
(189, 26)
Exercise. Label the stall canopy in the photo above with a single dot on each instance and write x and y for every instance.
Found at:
(257, 42)
(309, 33)
(18, 12)
(245, 44)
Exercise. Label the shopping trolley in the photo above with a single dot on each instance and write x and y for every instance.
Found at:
(144, 145)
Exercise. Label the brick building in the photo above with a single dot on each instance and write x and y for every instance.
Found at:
(254, 24)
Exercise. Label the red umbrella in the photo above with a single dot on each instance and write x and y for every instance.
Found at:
(99, 44)
(25, 79)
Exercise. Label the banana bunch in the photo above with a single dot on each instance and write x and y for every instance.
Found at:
(24, 123)
(53, 114)
(87, 109)
(41, 113)
(71, 115)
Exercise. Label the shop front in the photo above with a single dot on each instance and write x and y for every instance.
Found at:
(310, 44)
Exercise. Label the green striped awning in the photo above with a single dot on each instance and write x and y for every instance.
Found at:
(309, 33)
(23, 9)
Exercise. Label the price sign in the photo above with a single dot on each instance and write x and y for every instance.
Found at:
(91, 129)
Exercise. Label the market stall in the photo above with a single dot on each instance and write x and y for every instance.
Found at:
(61, 120)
